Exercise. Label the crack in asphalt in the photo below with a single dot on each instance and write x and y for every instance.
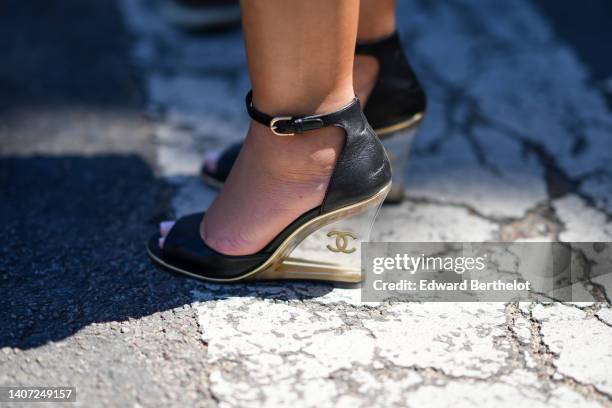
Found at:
(462, 113)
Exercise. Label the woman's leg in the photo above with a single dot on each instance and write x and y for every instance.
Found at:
(376, 21)
(300, 57)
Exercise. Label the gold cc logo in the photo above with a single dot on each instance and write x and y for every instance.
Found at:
(341, 241)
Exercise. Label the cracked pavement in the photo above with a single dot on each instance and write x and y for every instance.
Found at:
(516, 145)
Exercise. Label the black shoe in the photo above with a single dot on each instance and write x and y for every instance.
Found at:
(201, 15)
(394, 109)
(323, 243)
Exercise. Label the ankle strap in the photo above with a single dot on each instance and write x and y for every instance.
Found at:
(289, 125)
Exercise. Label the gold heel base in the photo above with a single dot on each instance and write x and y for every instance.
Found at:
(302, 269)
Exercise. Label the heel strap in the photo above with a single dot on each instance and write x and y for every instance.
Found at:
(379, 48)
(289, 125)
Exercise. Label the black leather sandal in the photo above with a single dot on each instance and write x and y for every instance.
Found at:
(323, 243)
(394, 109)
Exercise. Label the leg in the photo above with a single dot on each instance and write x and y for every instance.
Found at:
(376, 20)
(300, 56)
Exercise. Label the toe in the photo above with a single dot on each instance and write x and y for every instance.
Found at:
(165, 227)
(211, 160)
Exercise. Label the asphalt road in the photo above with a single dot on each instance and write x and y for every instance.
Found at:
(78, 197)
(587, 29)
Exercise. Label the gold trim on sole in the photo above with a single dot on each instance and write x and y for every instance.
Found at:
(413, 121)
(279, 266)
(211, 181)
(303, 269)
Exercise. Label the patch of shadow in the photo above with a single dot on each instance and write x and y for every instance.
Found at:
(72, 246)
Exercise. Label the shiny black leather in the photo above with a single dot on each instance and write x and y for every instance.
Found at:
(361, 171)
(362, 168)
(397, 95)
(297, 125)
(184, 249)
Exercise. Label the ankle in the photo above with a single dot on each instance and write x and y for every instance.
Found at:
(380, 21)
(305, 158)
(304, 99)
(365, 73)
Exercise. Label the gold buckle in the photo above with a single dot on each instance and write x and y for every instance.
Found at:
(273, 127)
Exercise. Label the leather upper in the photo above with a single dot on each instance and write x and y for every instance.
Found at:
(287, 125)
(362, 168)
(397, 95)
(185, 249)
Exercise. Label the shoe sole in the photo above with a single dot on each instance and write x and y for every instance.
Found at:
(281, 266)
(407, 124)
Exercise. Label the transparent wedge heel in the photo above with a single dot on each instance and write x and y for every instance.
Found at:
(330, 248)
(398, 144)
